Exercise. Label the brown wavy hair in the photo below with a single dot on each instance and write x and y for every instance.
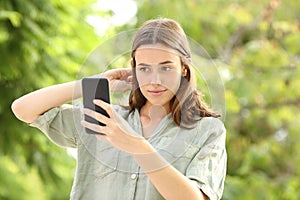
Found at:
(187, 105)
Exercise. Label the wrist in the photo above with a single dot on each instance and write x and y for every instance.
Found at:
(148, 158)
(143, 147)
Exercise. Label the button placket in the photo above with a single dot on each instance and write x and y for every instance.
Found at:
(133, 176)
(133, 179)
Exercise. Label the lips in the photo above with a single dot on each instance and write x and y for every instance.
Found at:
(157, 92)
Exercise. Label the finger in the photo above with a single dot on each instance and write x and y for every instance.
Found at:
(118, 74)
(129, 79)
(126, 71)
(124, 74)
(98, 116)
(94, 127)
(107, 107)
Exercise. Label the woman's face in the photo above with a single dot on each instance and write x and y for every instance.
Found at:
(158, 72)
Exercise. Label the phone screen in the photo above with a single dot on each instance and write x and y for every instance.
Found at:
(94, 88)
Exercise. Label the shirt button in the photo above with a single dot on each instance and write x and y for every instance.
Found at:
(133, 176)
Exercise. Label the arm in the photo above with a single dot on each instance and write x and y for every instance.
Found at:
(170, 183)
(30, 106)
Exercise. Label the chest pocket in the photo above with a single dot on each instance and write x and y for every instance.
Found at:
(179, 150)
(106, 160)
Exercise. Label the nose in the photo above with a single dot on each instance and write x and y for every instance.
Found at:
(155, 78)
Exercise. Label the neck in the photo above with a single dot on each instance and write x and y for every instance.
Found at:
(154, 111)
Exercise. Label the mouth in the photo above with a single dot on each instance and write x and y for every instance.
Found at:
(157, 92)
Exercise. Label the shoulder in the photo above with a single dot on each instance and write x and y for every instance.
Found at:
(211, 128)
(211, 122)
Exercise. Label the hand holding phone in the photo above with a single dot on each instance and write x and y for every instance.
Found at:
(94, 88)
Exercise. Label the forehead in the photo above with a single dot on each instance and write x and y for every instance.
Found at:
(155, 54)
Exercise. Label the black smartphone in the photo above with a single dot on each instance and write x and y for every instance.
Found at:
(94, 88)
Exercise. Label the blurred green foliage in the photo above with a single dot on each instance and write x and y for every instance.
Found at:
(41, 43)
(256, 48)
(258, 42)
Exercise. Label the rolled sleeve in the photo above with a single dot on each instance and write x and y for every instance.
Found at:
(60, 125)
(208, 167)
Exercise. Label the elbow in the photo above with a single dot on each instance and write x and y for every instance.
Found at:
(18, 107)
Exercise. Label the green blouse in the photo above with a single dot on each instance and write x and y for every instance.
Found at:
(104, 172)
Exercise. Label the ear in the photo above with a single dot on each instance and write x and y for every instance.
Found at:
(184, 71)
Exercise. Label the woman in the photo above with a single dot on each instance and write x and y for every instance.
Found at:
(166, 145)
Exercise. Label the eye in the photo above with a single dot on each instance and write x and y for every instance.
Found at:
(166, 68)
(144, 69)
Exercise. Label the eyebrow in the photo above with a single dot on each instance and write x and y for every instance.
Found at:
(161, 63)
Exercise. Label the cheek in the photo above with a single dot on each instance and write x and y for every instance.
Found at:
(172, 79)
(174, 83)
